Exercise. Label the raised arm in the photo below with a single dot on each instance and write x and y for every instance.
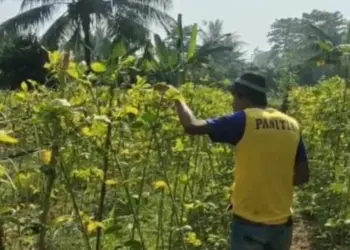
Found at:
(225, 129)
(190, 123)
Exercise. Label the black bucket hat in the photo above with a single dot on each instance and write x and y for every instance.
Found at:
(251, 82)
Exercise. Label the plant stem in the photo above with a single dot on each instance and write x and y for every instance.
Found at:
(76, 208)
(51, 176)
(2, 236)
(107, 147)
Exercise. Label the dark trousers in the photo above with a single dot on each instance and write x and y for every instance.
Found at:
(246, 235)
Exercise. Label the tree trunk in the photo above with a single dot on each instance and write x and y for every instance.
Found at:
(2, 236)
(86, 21)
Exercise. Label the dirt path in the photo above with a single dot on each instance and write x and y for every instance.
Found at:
(301, 235)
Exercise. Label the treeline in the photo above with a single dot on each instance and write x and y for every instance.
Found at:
(303, 50)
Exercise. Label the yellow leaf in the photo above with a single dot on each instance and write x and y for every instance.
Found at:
(93, 225)
(45, 156)
(111, 182)
(54, 57)
(191, 239)
(21, 95)
(131, 110)
(98, 67)
(86, 131)
(5, 138)
(174, 94)
(63, 219)
(73, 72)
(160, 185)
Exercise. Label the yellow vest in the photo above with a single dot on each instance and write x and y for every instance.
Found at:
(264, 158)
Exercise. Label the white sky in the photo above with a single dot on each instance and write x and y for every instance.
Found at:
(251, 19)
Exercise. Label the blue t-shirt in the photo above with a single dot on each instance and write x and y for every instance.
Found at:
(230, 129)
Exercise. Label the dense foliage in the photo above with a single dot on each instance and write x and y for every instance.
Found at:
(103, 166)
(22, 58)
(100, 161)
(116, 156)
(323, 112)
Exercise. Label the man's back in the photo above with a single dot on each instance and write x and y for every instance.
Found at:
(265, 159)
(270, 159)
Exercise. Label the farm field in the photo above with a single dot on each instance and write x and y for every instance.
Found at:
(108, 166)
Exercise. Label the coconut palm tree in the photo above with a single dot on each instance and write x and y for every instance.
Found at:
(128, 17)
(227, 64)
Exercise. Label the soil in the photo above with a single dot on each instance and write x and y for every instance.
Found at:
(301, 235)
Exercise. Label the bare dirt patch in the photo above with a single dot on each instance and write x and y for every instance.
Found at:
(301, 235)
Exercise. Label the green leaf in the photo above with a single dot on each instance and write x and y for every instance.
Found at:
(319, 32)
(98, 67)
(133, 244)
(24, 86)
(6, 210)
(119, 50)
(149, 117)
(2, 171)
(161, 50)
(193, 42)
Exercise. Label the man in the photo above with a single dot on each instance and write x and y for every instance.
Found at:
(270, 159)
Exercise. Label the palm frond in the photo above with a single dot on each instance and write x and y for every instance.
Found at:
(29, 19)
(101, 9)
(205, 51)
(75, 41)
(312, 61)
(161, 4)
(54, 33)
(148, 13)
(319, 32)
(127, 26)
(30, 4)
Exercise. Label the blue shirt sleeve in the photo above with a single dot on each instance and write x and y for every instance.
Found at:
(301, 155)
(227, 129)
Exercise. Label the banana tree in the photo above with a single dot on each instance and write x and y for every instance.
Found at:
(172, 63)
(329, 51)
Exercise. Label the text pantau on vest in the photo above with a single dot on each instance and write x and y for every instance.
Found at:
(264, 162)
